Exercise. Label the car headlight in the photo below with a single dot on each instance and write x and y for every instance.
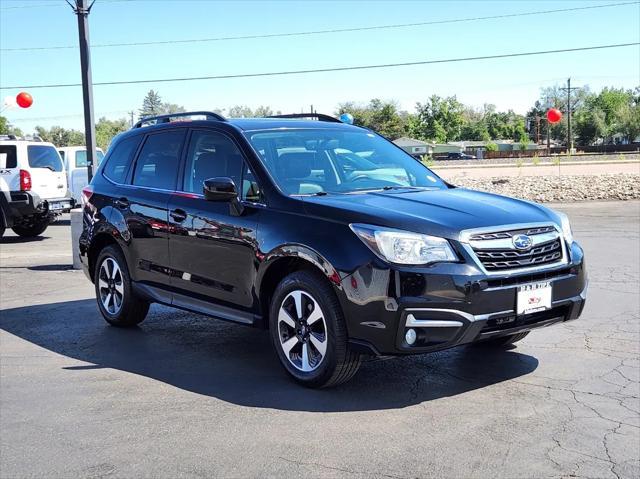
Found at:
(403, 247)
(566, 227)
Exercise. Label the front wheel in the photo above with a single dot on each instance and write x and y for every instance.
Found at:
(309, 333)
(117, 302)
(34, 227)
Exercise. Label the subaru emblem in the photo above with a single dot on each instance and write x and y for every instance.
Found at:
(522, 242)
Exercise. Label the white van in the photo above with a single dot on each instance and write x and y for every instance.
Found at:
(75, 165)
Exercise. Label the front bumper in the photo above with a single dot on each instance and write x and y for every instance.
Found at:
(451, 304)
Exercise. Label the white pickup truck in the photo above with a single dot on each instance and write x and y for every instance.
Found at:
(33, 185)
(75, 165)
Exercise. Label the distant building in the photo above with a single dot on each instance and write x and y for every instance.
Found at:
(418, 147)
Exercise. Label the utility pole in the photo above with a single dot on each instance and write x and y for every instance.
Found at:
(569, 89)
(131, 113)
(82, 10)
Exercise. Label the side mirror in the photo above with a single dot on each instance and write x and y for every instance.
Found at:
(220, 189)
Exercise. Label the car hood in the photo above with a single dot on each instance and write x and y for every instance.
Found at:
(443, 213)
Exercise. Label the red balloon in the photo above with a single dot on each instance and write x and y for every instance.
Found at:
(24, 100)
(554, 115)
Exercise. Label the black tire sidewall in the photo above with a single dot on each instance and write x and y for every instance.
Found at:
(316, 286)
(39, 226)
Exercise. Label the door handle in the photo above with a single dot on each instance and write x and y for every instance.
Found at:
(178, 215)
(121, 203)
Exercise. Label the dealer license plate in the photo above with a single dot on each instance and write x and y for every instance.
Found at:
(59, 206)
(533, 297)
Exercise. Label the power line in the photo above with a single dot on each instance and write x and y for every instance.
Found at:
(329, 69)
(320, 32)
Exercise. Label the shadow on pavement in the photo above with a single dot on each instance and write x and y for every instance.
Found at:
(20, 239)
(237, 364)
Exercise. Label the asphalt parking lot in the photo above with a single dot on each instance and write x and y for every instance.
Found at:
(188, 396)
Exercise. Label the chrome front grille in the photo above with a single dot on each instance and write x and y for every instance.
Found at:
(496, 250)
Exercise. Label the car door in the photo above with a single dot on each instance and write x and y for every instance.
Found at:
(144, 203)
(212, 246)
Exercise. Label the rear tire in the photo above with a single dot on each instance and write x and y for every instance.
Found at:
(35, 227)
(504, 341)
(116, 300)
(308, 331)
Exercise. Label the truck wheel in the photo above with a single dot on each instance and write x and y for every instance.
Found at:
(308, 331)
(116, 300)
(2, 228)
(34, 228)
(504, 341)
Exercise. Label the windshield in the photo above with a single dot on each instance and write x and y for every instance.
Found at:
(81, 158)
(41, 156)
(318, 161)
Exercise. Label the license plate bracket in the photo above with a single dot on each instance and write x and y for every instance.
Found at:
(533, 298)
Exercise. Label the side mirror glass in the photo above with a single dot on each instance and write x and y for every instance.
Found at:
(220, 189)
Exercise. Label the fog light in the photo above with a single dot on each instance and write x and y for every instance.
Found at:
(410, 336)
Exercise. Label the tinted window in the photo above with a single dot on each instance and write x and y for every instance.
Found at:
(210, 155)
(120, 158)
(10, 151)
(41, 156)
(81, 158)
(157, 164)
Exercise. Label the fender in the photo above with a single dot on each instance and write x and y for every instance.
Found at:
(298, 251)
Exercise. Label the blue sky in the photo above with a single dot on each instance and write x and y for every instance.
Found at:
(508, 83)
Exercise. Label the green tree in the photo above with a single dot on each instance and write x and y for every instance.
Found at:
(240, 111)
(151, 105)
(60, 136)
(7, 128)
(440, 119)
(106, 130)
(383, 117)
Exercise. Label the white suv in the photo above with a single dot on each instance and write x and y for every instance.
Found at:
(75, 164)
(33, 186)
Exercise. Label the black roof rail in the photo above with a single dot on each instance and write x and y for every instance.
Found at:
(317, 116)
(167, 118)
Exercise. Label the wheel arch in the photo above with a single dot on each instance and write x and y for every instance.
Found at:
(286, 260)
(98, 243)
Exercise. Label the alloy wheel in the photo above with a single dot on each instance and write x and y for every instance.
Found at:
(111, 286)
(302, 330)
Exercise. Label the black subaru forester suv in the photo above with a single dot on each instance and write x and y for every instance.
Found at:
(326, 234)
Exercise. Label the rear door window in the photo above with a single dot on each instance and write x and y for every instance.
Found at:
(157, 164)
(120, 157)
(41, 156)
(11, 160)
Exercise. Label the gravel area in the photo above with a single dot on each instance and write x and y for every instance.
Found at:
(559, 188)
(543, 159)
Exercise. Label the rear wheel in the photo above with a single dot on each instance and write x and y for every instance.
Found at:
(33, 227)
(504, 341)
(309, 333)
(117, 302)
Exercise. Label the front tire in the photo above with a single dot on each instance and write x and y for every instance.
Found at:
(35, 227)
(308, 331)
(116, 300)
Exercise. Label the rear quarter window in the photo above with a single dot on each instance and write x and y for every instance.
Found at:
(11, 156)
(42, 156)
(119, 158)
